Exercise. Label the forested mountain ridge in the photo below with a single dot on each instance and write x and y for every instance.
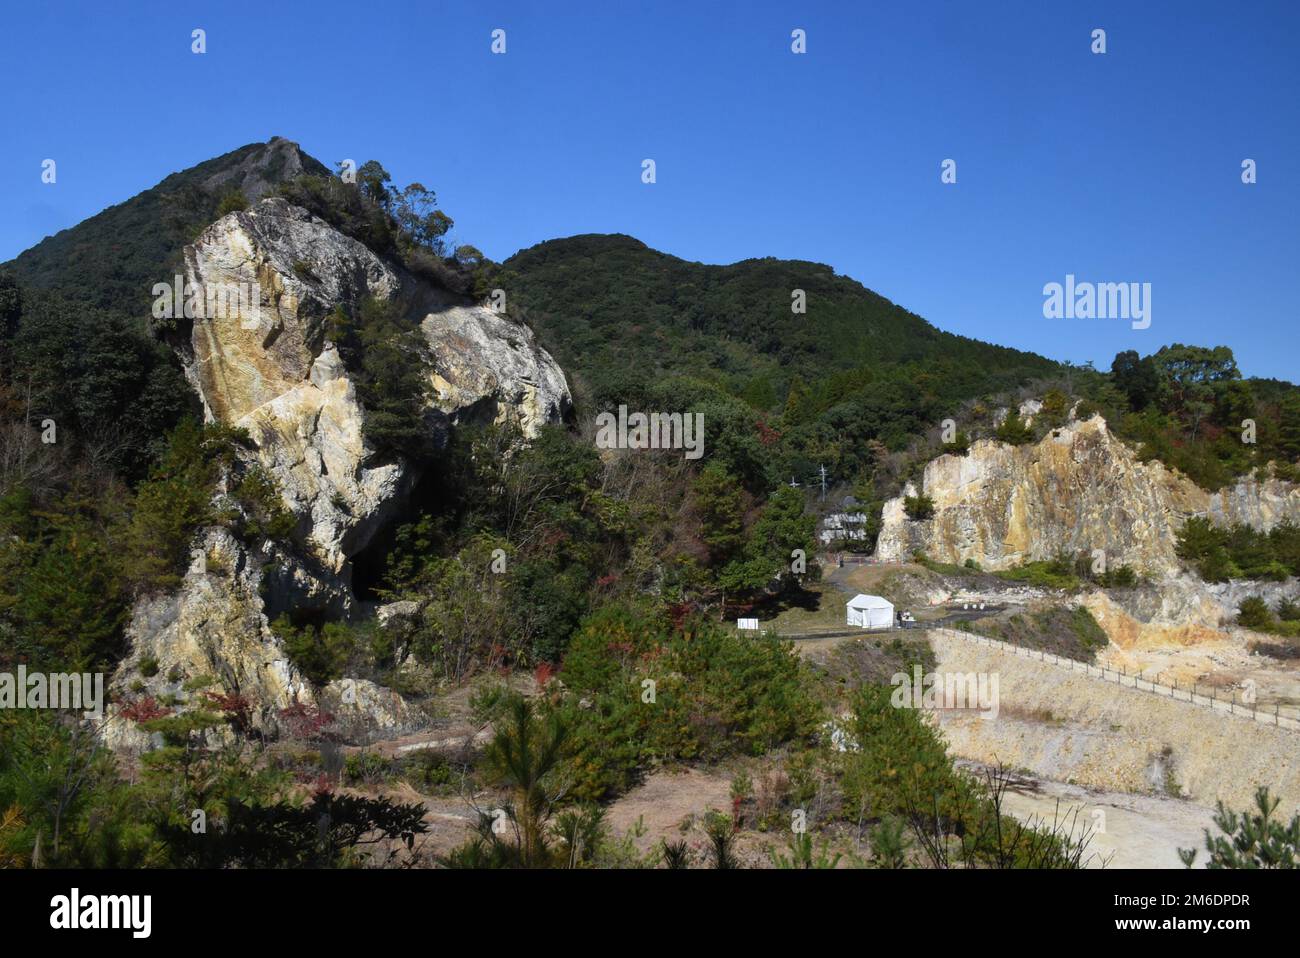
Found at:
(76, 341)
(112, 259)
(613, 308)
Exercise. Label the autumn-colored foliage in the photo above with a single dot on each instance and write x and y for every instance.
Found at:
(144, 709)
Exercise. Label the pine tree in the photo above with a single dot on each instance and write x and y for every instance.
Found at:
(1251, 839)
(720, 505)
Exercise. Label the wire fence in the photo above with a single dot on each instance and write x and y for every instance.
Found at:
(1287, 717)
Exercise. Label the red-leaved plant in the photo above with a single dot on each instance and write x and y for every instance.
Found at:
(144, 709)
(305, 721)
(237, 708)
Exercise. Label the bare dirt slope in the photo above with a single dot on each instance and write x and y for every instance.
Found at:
(1125, 831)
(1069, 727)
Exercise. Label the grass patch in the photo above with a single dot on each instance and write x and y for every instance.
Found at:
(816, 608)
(1071, 633)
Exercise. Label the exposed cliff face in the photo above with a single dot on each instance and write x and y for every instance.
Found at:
(261, 362)
(267, 366)
(1259, 503)
(1178, 610)
(214, 625)
(1077, 490)
(487, 369)
(261, 171)
(245, 354)
(264, 363)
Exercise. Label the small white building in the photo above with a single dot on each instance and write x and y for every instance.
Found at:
(870, 612)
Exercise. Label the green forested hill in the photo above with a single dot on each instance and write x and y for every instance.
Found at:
(612, 308)
(111, 260)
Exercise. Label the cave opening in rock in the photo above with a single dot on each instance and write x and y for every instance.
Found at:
(434, 494)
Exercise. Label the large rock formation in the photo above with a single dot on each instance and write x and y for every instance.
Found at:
(486, 368)
(259, 354)
(267, 365)
(215, 627)
(1077, 490)
(259, 359)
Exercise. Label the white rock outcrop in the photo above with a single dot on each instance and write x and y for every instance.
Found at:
(1077, 490)
(488, 369)
(268, 366)
(213, 626)
(246, 353)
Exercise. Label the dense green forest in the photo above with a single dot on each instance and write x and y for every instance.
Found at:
(636, 326)
(621, 315)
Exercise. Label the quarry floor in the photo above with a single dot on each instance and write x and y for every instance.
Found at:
(1141, 823)
(1124, 830)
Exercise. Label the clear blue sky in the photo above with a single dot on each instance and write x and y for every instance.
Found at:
(1119, 167)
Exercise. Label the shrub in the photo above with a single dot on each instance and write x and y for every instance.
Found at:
(383, 350)
(1254, 614)
(232, 202)
(918, 507)
(959, 446)
(897, 765)
(174, 503)
(1239, 551)
(1058, 573)
(1056, 406)
(1252, 839)
(1120, 576)
(321, 654)
(714, 694)
(265, 516)
(366, 768)
(429, 769)
(1013, 430)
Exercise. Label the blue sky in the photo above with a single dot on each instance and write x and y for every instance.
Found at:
(1122, 167)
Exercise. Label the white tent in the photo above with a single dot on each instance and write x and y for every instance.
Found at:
(870, 612)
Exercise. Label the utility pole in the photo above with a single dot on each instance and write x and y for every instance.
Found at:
(822, 470)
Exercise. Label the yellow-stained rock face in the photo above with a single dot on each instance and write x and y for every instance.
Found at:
(214, 626)
(262, 284)
(270, 276)
(259, 355)
(1077, 490)
(1128, 631)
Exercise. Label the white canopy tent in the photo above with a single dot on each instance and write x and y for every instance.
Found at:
(870, 612)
